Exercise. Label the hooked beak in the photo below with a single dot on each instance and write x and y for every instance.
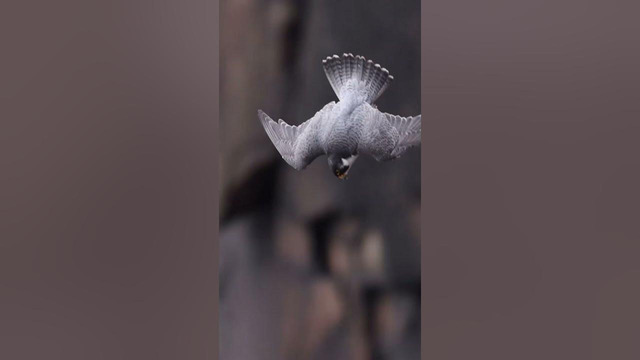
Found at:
(342, 176)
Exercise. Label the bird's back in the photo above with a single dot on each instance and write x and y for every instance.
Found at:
(344, 129)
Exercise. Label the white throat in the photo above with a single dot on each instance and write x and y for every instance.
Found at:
(350, 160)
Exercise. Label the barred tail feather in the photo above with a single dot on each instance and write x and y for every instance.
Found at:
(355, 73)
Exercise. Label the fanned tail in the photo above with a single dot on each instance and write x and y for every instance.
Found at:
(349, 74)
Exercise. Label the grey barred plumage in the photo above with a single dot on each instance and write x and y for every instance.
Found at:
(352, 126)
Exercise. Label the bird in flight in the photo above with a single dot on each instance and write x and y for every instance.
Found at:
(352, 126)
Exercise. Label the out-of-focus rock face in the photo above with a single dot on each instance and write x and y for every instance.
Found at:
(312, 267)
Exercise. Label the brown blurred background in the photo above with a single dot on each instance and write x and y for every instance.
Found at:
(312, 267)
(531, 167)
(108, 206)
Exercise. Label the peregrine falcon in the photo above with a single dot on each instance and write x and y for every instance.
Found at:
(352, 126)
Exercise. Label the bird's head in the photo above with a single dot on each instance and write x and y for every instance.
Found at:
(340, 165)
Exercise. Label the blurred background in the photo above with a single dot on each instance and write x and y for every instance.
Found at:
(312, 267)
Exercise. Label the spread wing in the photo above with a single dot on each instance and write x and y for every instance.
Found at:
(388, 136)
(409, 131)
(298, 145)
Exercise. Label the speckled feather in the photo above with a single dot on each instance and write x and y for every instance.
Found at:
(350, 126)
